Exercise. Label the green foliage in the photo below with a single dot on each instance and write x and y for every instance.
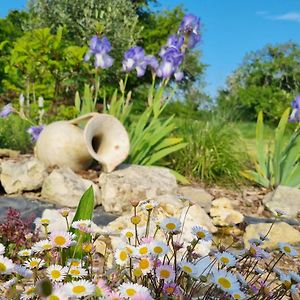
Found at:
(280, 163)
(214, 152)
(13, 133)
(87, 103)
(267, 80)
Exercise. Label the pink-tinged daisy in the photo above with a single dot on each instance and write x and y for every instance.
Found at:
(58, 293)
(29, 293)
(142, 296)
(171, 289)
(61, 239)
(121, 256)
(6, 265)
(238, 295)
(2, 249)
(102, 290)
(287, 249)
(128, 233)
(171, 225)
(128, 290)
(73, 262)
(165, 272)
(80, 224)
(226, 258)
(226, 281)
(22, 271)
(34, 263)
(77, 272)
(64, 211)
(142, 250)
(188, 268)
(115, 296)
(80, 288)
(145, 264)
(201, 233)
(25, 252)
(41, 246)
(159, 248)
(148, 205)
(56, 272)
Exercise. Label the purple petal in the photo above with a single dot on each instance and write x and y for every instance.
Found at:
(88, 55)
(296, 102)
(103, 60)
(189, 23)
(165, 70)
(295, 115)
(193, 40)
(128, 64)
(151, 61)
(35, 132)
(178, 75)
(6, 111)
(175, 41)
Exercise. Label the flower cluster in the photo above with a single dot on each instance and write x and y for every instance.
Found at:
(295, 115)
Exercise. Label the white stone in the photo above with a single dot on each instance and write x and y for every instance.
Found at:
(133, 182)
(18, 176)
(65, 188)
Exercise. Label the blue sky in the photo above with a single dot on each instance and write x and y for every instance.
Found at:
(231, 28)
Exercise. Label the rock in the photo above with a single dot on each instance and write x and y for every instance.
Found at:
(171, 204)
(196, 195)
(284, 198)
(18, 176)
(9, 153)
(223, 213)
(281, 232)
(133, 182)
(65, 188)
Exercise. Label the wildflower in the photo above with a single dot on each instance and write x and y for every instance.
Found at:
(256, 242)
(42, 222)
(64, 212)
(74, 262)
(142, 296)
(100, 48)
(188, 268)
(121, 256)
(56, 272)
(159, 248)
(25, 252)
(35, 132)
(258, 253)
(295, 277)
(241, 279)
(145, 264)
(295, 115)
(77, 272)
(58, 293)
(238, 295)
(79, 288)
(189, 26)
(102, 290)
(295, 289)
(286, 280)
(165, 272)
(61, 239)
(226, 259)
(170, 225)
(171, 289)
(22, 271)
(201, 233)
(6, 265)
(41, 246)
(34, 263)
(114, 296)
(81, 224)
(87, 247)
(203, 267)
(6, 111)
(29, 293)
(10, 283)
(287, 249)
(148, 205)
(127, 233)
(175, 41)
(2, 249)
(137, 272)
(142, 250)
(135, 220)
(128, 290)
(226, 281)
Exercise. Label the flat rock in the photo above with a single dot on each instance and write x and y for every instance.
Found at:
(9, 153)
(196, 195)
(281, 232)
(284, 198)
(65, 188)
(133, 182)
(18, 176)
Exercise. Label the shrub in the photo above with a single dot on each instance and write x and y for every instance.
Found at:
(13, 133)
(214, 152)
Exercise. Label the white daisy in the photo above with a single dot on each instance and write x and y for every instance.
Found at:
(74, 262)
(128, 233)
(295, 276)
(25, 252)
(148, 205)
(79, 288)
(58, 293)
(41, 246)
(201, 233)
(170, 225)
(142, 250)
(81, 224)
(77, 272)
(62, 239)
(145, 264)
(34, 263)
(188, 268)
(238, 295)
(226, 281)
(121, 256)
(6, 265)
(286, 280)
(226, 258)
(165, 272)
(20, 270)
(287, 249)
(56, 272)
(203, 267)
(29, 293)
(2, 249)
(128, 290)
(159, 248)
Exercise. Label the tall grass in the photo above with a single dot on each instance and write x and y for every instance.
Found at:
(215, 152)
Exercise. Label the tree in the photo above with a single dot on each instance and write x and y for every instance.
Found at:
(267, 80)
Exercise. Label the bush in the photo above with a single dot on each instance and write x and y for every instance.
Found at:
(13, 134)
(214, 153)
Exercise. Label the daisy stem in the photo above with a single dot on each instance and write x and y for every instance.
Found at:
(275, 263)
(68, 225)
(148, 223)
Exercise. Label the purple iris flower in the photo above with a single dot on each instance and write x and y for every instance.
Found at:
(135, 58)
(189, 26)
(35, 132)
(175, 41)
(295, 115)
(6, 111)
(100, 48)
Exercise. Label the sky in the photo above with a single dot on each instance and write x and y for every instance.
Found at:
(230, 29)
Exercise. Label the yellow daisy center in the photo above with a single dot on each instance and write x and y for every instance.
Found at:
(171, 226)
(130, 292)
(287, 249)
(129, 234)
(75, 272)
(200, 234)
(53, 297)
(143, 250)
(78, 289)
(237, 296)
(2, 267)
(224, 282)
(45, 221)
(46, 247)
(33, 264)
(224, 260)
(158, 249)
(123, 255)
(170, 290)
(88, 247)
(60, 240)
(29, 291)
(187, 269)
(137, 272)
(165, 273)
(75, 263)
(144, 264)
(55, 274)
